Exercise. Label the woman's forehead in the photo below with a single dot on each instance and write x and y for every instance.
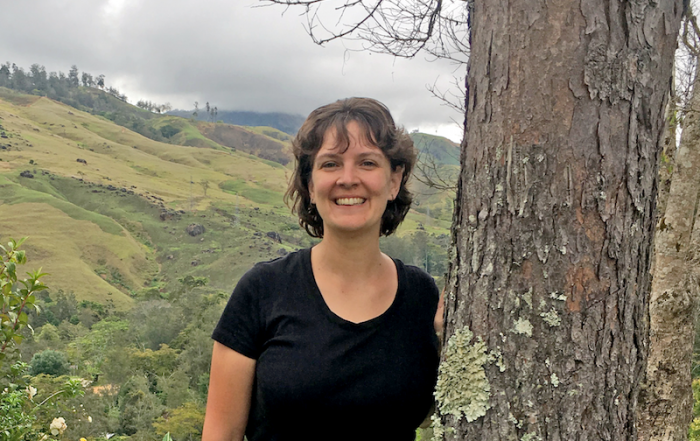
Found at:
(339, 136)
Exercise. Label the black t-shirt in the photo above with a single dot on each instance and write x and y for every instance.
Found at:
(320, 377)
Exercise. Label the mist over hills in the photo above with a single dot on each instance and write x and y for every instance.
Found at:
(284, 122)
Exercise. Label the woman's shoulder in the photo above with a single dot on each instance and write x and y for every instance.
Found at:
(414, 273)
(416, 280)
(287, 265)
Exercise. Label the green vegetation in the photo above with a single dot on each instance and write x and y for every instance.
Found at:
(694, 431)
(442, 149)
(49, 362)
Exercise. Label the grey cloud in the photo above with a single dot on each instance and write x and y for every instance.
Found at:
(225, 52)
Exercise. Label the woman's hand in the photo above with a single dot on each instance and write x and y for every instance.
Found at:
(230, 389)
(439, 321)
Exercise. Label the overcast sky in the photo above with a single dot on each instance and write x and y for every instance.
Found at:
(226, 52)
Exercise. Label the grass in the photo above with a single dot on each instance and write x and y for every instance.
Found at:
(270, 132)
(12, 193)
(68, 250)
(252, 192)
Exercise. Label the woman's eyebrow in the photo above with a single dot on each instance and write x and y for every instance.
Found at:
(371, 155)
(328, 155)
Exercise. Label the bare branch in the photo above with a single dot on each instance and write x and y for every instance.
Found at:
(397, 27)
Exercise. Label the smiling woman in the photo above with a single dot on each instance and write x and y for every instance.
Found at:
(337, 341)
(351, 188)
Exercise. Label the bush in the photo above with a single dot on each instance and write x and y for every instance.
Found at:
(14, 298)
(694, 431)
(49, 362)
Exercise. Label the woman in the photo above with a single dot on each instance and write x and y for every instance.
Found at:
(337, 341)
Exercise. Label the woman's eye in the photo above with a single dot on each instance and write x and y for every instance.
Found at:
(369, 164)
(328, 165)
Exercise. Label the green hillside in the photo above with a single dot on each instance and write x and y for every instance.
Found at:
(441, 149)
(107, 209)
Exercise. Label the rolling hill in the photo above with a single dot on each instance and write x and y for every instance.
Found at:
(116, 216)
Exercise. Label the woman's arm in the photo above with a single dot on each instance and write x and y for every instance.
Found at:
(230, 389)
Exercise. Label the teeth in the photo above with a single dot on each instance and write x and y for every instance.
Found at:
(349, 201)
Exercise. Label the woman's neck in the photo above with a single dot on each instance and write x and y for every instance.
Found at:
(349, 256)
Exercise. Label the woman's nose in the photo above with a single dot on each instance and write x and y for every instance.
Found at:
(348, 176)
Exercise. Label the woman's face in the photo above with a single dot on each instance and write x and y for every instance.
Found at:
(351, 188)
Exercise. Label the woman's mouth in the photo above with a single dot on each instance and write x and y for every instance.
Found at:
(349, 201)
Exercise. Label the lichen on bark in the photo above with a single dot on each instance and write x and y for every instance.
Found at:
(462, 389)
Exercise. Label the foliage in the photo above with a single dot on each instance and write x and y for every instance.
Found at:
(184, 423)
(23, 407)
(138, 406)
(13, 301)
(694, 431)
(49, 362)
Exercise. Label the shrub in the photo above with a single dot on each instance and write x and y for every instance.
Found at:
(49, 362)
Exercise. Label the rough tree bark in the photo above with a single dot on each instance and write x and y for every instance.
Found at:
(547, 313)
(666, 402)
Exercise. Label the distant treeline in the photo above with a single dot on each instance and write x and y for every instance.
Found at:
(55, 85)
(86, 92)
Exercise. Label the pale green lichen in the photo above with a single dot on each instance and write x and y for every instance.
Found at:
(462, 389)
(438, 428)
(554, 380)
(528, 298)
(555, 296)
(551, 318)
(530, 437)
(512, 419)
(523, 326)
(497, 357)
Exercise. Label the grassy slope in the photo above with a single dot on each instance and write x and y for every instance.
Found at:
(53, 136)
(96, 227)
(442, 149)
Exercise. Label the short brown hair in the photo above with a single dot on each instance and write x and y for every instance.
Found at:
(379, 128)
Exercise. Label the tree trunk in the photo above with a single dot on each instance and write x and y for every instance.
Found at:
(666, 402)
(547, 315)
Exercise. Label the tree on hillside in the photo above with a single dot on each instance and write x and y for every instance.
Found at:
(73, 76)
(547, 326)
(38, 76)
(87, 80)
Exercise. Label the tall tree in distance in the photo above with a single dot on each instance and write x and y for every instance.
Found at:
(547, 311)
(87, 79)
(73, 76)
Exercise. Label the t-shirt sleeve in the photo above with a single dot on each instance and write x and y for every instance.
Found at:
(241, 326)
